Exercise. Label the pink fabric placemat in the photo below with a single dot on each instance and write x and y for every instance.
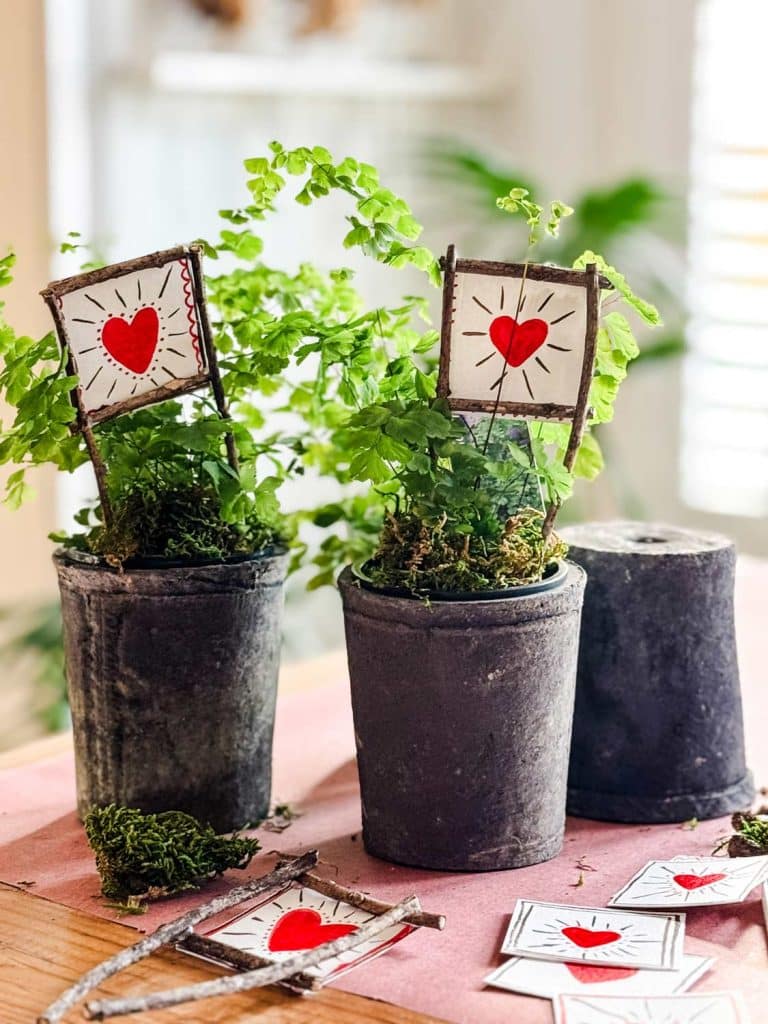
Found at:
(436, 973)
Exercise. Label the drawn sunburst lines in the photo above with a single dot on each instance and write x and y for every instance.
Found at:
(158, 372)
(514, 328)
(555, 943)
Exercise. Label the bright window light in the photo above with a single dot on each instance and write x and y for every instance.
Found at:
(725, 417)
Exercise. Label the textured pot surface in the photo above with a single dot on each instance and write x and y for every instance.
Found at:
(463, 716)
(172, 678)
(658, 733)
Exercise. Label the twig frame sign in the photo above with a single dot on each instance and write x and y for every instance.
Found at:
(290, 972)
(517, 339)
(135, 333)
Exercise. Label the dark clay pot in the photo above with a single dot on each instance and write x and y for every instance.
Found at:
(463, 714)
(172, 678)
(658, 733)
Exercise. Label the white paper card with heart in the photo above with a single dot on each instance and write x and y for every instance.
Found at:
(555, 931)
(135, 336)
(692, 882)
(298, 919)
(530, 334)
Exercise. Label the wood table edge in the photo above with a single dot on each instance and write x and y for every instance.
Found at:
(61, 924)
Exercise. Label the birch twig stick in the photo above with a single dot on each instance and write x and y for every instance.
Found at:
(174, 931)
(102, 1009)
(240, 960)
(365, 902)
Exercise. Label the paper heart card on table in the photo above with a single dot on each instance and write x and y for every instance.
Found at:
(553, 931)
(692, 882)
(712, 1008)
(546, 979)
(298, 919)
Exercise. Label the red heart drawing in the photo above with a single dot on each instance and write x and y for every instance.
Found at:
(132, 344)
(696, 881)
(517, 342)
(590, 974)
(303, 928)
(587, 939)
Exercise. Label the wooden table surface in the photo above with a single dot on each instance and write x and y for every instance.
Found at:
(44, 946)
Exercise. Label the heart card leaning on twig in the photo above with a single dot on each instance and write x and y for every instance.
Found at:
(692, 882)
(553, 931)
(546, 979)
(709, 1008)
(297, 919)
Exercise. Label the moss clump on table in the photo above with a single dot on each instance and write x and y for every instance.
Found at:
(142, 857)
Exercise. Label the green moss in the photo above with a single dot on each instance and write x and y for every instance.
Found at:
(146, 856)
(183, 522)
(421, 555)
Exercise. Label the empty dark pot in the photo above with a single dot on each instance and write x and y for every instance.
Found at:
(463, 714)
(658, 734)
(172, 678)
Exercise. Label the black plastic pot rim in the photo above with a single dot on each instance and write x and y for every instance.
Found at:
(554, 577)
(87, 560)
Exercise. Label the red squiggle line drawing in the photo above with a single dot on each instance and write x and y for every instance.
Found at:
(189, 302)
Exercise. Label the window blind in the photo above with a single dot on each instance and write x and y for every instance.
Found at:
(724, 451)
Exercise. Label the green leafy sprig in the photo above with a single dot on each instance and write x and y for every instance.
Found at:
(519, 201)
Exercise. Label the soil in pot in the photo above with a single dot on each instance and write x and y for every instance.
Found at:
(463, 713)
(172, 679)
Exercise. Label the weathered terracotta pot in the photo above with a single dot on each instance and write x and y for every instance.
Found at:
(172, 678)
(463, 713)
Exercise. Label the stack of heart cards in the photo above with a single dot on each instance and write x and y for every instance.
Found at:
(297, 919)
(605, 965)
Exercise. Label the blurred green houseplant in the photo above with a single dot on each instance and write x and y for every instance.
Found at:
(33, 645)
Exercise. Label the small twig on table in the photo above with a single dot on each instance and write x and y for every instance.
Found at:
(201, 945)
(102, 1009)
(362, 901)
(582, 865)
(174, 932)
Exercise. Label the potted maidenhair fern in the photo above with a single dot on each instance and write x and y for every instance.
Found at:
(171, 588)
(462, 613)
